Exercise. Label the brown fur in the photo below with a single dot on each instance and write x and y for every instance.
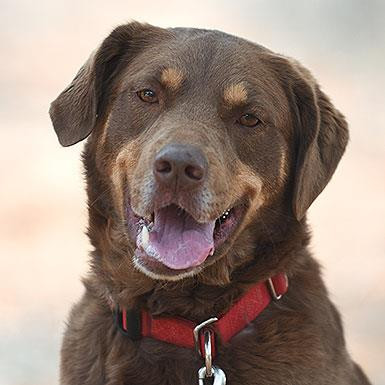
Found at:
(275, 170)
(235, 94)
(171, 78)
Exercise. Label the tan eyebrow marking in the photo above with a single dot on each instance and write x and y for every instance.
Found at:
(171, 78)
(235, 94)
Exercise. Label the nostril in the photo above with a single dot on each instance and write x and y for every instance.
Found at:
(179, 167)
(163, 166)
(194, 172)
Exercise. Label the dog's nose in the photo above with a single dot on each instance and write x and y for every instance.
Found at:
(180, 166)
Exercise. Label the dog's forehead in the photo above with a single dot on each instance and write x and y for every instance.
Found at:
(202, 56)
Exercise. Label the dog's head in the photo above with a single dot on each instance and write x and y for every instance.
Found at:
(202, 147)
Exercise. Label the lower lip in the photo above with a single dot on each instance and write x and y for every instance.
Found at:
(157, 267)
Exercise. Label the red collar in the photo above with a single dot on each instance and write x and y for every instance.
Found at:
(180, 332)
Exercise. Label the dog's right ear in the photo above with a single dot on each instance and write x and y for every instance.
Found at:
(75, 112)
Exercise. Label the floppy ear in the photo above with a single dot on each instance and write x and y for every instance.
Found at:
(321, 131)
(75, 112)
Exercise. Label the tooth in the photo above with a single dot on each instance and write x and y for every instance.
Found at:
(144, 237)
(211, 251)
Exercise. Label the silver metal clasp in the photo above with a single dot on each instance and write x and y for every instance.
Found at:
(218, 375)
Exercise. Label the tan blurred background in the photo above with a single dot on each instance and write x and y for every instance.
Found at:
(43, 248)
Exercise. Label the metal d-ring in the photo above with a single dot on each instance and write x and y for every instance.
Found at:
(209, 370)
(273, 292)
(208, 355)
(197, 331)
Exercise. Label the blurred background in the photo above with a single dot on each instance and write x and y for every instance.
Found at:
(43, 248)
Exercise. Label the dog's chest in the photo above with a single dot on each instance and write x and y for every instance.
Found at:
(159, 363)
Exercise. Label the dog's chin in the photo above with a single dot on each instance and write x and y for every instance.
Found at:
(172, 246)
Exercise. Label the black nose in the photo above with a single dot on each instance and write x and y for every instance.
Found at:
(180, 166)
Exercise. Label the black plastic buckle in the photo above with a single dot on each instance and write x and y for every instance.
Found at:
(133, 323)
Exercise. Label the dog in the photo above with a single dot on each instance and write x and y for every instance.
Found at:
(204, 153)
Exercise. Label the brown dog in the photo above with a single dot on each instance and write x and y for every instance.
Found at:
(204, 153)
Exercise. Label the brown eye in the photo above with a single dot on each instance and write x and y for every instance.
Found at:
(148, 96)
(248, 120)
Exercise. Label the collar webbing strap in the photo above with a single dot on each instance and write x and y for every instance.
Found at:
(179, 331)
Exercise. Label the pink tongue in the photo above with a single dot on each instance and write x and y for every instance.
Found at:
(180, 242)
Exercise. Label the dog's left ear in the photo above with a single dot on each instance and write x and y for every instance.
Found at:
(321, 132)
(76, 110)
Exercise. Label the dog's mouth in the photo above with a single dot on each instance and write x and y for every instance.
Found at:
(173, 242)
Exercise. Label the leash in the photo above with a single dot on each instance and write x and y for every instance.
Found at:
(205, 336)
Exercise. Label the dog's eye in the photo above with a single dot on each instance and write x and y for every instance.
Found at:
(248, 120)
(148, 96)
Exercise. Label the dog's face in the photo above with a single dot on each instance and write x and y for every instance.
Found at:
(197, 138)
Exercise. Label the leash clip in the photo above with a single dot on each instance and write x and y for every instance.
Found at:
(218, 376)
